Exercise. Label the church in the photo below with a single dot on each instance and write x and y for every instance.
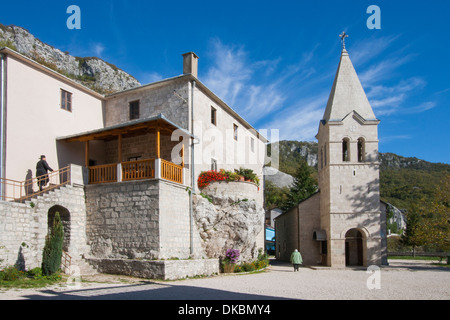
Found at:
(343, 223)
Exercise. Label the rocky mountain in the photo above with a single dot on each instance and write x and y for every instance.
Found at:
(92, 72)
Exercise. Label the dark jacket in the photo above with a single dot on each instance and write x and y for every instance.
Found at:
(42, 168)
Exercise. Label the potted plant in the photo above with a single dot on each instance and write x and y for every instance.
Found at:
(230, 260)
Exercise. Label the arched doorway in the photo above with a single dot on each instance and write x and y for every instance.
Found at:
(64, 214)
(354, 248)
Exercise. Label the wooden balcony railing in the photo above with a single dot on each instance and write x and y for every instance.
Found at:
(24, 190)
(136, 170)
(103, 174)
(171, 171)
(140, 169)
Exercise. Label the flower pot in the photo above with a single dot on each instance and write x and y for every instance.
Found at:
(228, 267)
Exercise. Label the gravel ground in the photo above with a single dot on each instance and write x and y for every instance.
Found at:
(401, 280)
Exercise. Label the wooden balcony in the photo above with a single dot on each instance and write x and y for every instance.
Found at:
(136, 170)
(159, 128)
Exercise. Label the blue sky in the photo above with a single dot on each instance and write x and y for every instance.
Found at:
(274, 61)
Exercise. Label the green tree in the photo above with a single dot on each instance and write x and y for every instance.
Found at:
(303, 187)
(275, 197)
(51, 259)
(436, 225)
(414, 232)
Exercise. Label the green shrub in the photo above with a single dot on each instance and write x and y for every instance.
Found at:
(51, 260)
(35, 273)
(11, 274)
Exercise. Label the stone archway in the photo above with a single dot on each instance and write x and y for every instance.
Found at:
(354, 248)
(65, 219)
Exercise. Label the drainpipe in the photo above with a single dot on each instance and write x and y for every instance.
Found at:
(2, 118)
(191, 214)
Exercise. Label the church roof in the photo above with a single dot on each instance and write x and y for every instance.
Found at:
(347, 94)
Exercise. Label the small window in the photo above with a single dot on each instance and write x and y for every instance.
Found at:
(252, 144)
(134, 110)
(214, 164)
(136, 158)
(213, 116)
(346, 150)
(66, 100)
(361, 150)
(235, 130)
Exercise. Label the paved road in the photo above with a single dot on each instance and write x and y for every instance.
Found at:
(401, 280)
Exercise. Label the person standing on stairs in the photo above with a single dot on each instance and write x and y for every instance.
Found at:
(42, 169)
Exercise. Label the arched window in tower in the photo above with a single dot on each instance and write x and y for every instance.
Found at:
(361, 150)
(346, 149)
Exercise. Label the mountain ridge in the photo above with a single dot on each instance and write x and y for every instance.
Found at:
(92, 72)
(403, 180)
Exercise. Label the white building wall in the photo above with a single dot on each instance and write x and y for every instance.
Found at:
(35, 118)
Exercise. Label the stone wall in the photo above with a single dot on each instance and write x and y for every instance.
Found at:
(161, 269)
(24, 226)
(123, 219)
(147, 219)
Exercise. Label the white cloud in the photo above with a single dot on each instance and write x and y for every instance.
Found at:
(149, 77)
(98, 49)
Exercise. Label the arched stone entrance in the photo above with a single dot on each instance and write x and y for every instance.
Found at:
(64, 214)
(354, 249)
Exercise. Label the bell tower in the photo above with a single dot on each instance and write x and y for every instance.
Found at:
(349, 172)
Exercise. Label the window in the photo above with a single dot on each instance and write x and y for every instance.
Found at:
(252, 144)
(213, 116)
(361, 150)
(235, 130)
(66, 100)
(346, 150)
(136, 158)
(214, 164)
(134, 110)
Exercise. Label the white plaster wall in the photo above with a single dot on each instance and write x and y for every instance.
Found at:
(35, 118)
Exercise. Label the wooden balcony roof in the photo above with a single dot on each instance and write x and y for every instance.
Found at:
(131, 128)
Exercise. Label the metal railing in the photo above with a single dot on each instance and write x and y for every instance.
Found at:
(13, 190)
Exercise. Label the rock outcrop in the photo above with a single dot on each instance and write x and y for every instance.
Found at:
(92, 72)
(229, 220)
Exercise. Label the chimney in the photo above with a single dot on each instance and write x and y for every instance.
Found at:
(190, 64)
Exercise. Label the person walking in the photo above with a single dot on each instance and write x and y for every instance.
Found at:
(296, 259)
(42, 168)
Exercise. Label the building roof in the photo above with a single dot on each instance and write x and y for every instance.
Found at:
(127, 128)
(347, 94)
(188, 77)
(201, 86)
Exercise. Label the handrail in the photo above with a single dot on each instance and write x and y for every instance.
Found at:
(24, 190)
(66, 261)
(171, 171)
(103, 173)
(140, 169)
(135, 170)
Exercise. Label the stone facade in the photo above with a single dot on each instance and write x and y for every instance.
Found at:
(346, 212)
(139, 220)
(161, 269)
(25, 225)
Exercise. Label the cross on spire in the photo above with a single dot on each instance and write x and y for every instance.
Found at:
(343, 35)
